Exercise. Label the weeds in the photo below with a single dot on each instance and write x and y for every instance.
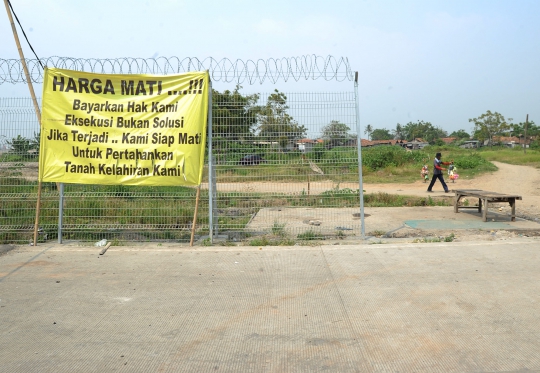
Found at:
(377, 233)
(268, 241)
(278, 229)
(310, 236)
(449, 238)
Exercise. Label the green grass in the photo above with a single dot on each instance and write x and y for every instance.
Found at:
(310, 236)
(271, 241)
(512, 156)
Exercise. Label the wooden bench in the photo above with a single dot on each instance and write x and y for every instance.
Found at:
(485, 197)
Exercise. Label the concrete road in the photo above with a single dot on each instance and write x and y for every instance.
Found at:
(444, 307)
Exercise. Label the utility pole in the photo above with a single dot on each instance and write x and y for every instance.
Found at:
(525, 135)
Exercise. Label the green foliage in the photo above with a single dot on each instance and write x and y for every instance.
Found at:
(310, 236)
(274, 120)
(488, 125)
(23, 148)
(278, 229)
(381, 134)
(398, 132)
(470, 161)
(368, 131)
(336, 133)
(318, 152)
(424, 130)
(268, 241)
(460, 134)
(233, 115)
(518, 129)
(383, 156)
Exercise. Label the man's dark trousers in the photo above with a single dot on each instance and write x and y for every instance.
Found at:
(435, 177)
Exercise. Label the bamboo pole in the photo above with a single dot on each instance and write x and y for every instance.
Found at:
(193, 225)
(36, 107)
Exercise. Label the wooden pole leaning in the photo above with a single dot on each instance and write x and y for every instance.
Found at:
(194, 224)
(36, 107)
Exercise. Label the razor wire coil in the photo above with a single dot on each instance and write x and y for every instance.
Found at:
(308, 67)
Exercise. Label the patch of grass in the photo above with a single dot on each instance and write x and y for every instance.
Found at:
(377, 233)
(449, 238)
(278, 229)
(427, 240)
(310, 235)
(270, 241)
(512, 155)
(395, 200)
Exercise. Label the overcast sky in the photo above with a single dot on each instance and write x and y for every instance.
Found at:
(437, 61)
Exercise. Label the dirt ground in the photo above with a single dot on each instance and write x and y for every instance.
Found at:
(509, 179)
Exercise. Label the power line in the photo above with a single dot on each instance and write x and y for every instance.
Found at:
(24, 33)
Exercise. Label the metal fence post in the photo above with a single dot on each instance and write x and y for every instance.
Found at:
(211, 172)
(60, 211)
(359, 145)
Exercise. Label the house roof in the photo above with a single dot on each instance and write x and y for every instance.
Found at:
(509, 139)
(448, 140)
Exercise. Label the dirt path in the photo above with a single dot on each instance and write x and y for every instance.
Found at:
(511, 179)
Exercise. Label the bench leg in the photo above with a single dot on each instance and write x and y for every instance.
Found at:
(512, 202)
(456, 203)
(484, 213)
(479, 204)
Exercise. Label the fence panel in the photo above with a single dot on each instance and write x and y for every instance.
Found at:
(297, 174)
(286, 165)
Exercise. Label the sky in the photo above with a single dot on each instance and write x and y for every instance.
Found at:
(442, 62)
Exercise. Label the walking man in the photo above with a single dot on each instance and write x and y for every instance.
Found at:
(438, 173)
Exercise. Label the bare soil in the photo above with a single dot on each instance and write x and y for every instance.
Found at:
(508, 179)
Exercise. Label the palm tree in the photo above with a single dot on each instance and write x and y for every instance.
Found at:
(398, 132)
(369, 130)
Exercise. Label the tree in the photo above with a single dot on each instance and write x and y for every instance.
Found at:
(336, 133)
(233, 114)
(381, 134)
(368, 130)
(519, 129)
(398, 132)
(460, 134)
(25, 147)
(274, 121)
(424, 130)
(488, 125)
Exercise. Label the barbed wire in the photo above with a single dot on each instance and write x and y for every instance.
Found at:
(309, 67)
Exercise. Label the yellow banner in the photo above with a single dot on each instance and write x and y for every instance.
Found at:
(123, 129)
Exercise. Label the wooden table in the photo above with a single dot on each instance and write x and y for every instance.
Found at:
(484, 197)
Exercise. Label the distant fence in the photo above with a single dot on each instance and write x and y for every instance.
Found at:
(283, 164)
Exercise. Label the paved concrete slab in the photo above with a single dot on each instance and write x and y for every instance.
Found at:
(328, 221)
(446, 307)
